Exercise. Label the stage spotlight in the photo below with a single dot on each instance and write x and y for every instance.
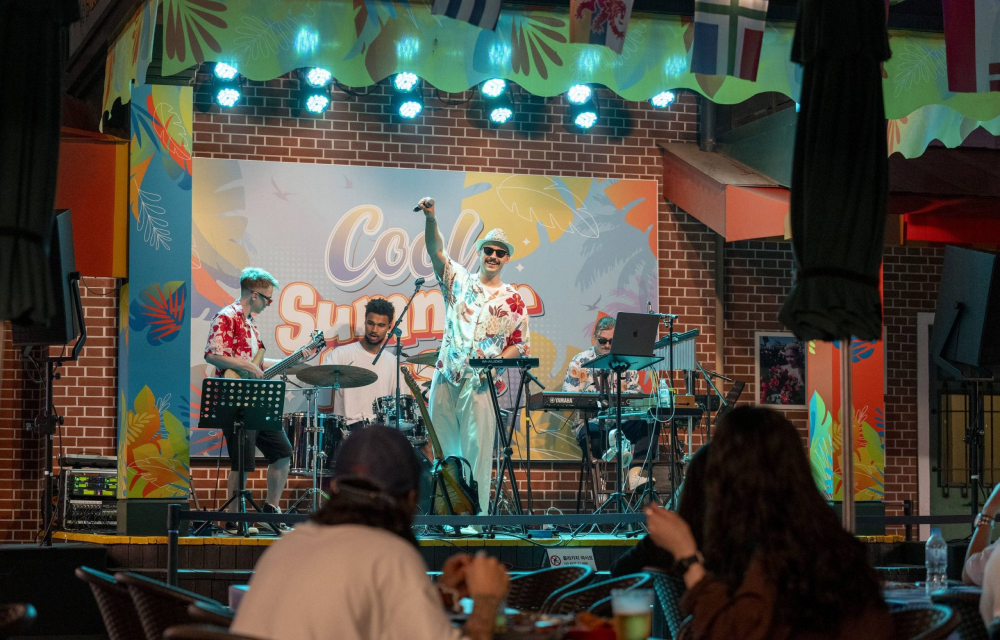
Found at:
(227, 97)
(408, 97)
(405, 82)
(585, 119)
(494, 88)
(501, 115)
(224, 71)
(314, 89)
(410, 108)
(497, 103)
(662, 100)
(583, 109)
(317, 103)
(227, 85)
(579, 93)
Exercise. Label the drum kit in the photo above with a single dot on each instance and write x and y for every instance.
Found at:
(315, 437)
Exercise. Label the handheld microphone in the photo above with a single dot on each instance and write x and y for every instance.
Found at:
(649, 307)
(429, 203)
(420, 282)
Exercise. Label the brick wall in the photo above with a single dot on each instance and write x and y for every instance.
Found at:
(758, 278)
(359, 131)
(84, 395)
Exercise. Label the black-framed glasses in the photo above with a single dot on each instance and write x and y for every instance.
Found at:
(501, 253)
(268, 298)
(604, 341)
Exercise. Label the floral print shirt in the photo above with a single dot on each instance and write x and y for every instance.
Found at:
(232, 331)
(478, 324)
(582, 380)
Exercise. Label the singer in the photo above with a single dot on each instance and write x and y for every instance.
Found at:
(356, 404)
(485, 318)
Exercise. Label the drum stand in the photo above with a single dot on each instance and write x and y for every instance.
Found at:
(315, 434)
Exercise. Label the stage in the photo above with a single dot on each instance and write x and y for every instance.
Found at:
(209, 564)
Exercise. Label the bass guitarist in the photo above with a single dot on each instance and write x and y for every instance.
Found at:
(233, 343)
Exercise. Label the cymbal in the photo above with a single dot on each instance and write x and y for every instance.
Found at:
(430, 358)
(327, 374)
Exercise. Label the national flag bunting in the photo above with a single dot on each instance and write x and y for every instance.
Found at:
(599, 22)
(728, 35)
(481, 13)
(972, 44)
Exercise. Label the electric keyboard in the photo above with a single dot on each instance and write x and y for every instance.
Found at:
(570, 401)
(510, 363)
(649, 414)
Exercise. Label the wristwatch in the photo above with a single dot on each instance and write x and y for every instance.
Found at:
(684, 564)
(984, 520)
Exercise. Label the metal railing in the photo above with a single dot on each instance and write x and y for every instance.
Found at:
(176, 515)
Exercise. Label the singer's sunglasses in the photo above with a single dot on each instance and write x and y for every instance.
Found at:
(604, 341)
(501, 253)
(268, 298)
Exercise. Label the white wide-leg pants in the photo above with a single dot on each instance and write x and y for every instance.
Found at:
(466, 426)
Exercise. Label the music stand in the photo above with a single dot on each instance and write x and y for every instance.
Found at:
(245, 405)
(619, 364)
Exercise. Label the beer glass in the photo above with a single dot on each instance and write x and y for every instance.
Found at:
(633, 611)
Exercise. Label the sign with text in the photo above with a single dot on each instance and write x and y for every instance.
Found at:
(572, 555)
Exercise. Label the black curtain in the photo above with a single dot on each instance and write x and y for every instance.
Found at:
(839, 172)
(33, 35)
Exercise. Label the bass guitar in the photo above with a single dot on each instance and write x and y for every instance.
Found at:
(316, 341)
(460, 496)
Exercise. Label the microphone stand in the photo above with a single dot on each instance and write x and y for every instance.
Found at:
(708, 409)
(399, 347)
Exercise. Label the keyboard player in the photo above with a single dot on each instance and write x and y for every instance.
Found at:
(582, 380)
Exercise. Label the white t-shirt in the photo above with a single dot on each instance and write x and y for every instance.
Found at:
(356, 404)
(343, 582)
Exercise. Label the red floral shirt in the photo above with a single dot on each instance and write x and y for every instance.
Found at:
(231, 333)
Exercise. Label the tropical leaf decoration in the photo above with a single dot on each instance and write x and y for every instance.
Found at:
(531, 40)
(862, 349)
(187, 29)
(160, 309)
(821, 444)
(156, 450)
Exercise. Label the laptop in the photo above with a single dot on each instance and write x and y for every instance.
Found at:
(635, 334)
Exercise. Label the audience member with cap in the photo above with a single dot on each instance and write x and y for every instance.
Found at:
(354, 572)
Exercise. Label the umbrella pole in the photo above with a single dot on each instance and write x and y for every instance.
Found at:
(846, 437)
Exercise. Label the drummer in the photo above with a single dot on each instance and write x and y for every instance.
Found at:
(355, 405)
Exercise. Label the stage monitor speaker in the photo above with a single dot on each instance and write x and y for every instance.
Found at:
(44, 576)
(968, 310)
(63, 327)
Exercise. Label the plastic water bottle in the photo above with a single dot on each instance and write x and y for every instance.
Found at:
(664, 394)
(936, 561)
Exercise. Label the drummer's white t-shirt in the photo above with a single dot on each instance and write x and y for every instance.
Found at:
(356, 404)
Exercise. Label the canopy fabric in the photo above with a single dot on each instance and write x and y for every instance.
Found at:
(911, 135)
(840, 173)
(365, 41)
(32, 54)
(129, 56)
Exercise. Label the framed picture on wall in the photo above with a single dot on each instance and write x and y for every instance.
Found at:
(780, 369)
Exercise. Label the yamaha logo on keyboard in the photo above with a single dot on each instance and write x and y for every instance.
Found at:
(558, 400)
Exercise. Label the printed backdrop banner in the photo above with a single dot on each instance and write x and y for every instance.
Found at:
(155, 330)
(336, 236)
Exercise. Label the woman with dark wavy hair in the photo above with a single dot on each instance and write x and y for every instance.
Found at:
(775, 563)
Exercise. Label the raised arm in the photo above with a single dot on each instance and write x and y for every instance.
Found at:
(432, 237)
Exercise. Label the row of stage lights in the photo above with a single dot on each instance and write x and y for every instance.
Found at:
(408, 96)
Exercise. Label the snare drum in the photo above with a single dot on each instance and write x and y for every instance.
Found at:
(297, 428)
(384, 409)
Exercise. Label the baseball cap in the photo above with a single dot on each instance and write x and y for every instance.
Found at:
(379, 455)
